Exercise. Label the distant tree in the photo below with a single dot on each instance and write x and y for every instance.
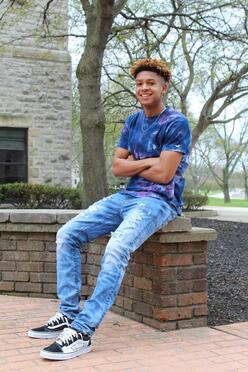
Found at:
(223, 150)
(244, 164)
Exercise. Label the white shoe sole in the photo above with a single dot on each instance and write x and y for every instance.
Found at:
(64, 356)
(43, 335)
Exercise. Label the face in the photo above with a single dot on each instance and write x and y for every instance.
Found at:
(149, 89)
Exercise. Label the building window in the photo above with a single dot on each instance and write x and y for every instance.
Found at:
(13, 155)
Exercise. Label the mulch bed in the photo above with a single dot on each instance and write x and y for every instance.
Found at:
(227, 271)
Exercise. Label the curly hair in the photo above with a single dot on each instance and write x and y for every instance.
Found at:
(154, 65)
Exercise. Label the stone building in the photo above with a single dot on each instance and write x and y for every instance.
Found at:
(35, 94)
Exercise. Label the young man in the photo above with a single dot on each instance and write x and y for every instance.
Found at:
(153, 150)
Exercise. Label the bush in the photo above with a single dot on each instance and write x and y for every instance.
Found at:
(193, 201)
(32, 196)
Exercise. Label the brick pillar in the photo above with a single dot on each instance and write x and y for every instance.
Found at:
(165, 285)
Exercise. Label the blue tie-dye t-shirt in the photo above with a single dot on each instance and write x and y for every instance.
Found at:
(145, 137)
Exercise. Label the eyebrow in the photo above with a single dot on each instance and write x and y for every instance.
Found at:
(150, 79)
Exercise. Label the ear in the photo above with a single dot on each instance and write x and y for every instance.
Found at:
(165, 87)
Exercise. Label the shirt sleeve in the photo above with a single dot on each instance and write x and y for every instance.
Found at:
(124, 137)
(177, 136)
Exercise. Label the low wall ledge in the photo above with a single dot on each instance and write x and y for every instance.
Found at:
(49, 220)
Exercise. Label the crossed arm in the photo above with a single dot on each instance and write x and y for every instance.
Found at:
(159, 170)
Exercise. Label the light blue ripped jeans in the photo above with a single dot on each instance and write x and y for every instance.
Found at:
(133, 220)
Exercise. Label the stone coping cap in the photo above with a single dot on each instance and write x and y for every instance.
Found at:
(60, 216)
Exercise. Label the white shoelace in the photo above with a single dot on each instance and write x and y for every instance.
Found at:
(55, 318)
(66, 336)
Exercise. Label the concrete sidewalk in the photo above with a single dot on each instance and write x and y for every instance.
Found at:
(120, 344)
(229, 213)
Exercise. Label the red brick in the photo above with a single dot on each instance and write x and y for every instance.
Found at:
(15, 276)
(128, 280)
(192, 272)
(49, 288)
(7, 266)
(92, 280)
(95, 249)
(192, 298)
(14, 236)
(201, 310)
(200, 298)
(30, 266)
(200, 322)
(43, 277)
(134, 293)
(172, 313)
(142, 308)
(85, 290)
(42, 236)
(200, 259)
(50, 246)
(142, 283)
(6, 286)
(42, 256)
(190, 323)
(185, 299)
(173, 260)
(159, 300)
(128, 304)
(119, 301)
(192, 247)
(142, 257)
(93, 259)
(135, 269)
(15, 256)
(184, 286)
(158, 248)
(166, 288)
(200, 285)
(28, 287)
(151, 272)
(162, 326)
(7, 245)
(30, 245)
(50, 267)
(91, 269)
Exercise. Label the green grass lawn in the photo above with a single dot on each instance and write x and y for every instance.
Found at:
(218, 202)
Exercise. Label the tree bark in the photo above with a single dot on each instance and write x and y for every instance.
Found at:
(226, 186)
(99, 19)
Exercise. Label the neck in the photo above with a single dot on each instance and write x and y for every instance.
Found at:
(153, 111)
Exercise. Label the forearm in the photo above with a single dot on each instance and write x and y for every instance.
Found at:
(155, 174)
(129, 168)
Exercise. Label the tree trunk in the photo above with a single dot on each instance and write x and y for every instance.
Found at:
(245, 179)
(92, 120)
(226, 186)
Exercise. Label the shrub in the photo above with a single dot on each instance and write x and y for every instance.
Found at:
(193, 201)
(33, 196)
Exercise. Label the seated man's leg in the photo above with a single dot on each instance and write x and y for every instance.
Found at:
(101, 218)
(142, 217)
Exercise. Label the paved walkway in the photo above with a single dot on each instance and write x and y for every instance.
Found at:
(230, 214)
(120, 344)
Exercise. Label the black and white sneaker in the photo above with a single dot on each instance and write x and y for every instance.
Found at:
(68, 345)
(52, 328)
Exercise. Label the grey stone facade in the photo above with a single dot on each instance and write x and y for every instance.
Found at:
(35, 88)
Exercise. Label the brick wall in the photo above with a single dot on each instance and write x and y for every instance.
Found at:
(28, 264)
(165, 285)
